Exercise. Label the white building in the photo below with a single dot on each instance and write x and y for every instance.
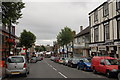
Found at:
(105, 28)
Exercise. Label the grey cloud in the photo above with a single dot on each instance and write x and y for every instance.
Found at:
(46, 19)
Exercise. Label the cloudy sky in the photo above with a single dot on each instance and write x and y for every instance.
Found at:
(45, 18)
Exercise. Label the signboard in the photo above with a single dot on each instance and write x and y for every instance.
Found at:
(102, 48)
(93, 49)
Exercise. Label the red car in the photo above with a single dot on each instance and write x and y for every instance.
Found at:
(104, 64)
(56, 59)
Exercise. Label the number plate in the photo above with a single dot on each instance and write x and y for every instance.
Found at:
(15, 72)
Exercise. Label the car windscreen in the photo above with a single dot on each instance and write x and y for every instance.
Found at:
(87, 60)
(15, 60)
(111, 62)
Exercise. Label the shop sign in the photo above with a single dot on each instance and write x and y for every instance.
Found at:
(93, 49)
(117, 43)
(92, 45)
(102, 48)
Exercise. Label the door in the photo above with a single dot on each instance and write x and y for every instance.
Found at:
(102, 67)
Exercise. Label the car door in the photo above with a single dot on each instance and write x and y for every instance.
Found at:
(102, 67)
(81, 64)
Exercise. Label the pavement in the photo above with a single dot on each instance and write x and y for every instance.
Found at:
(48, 69)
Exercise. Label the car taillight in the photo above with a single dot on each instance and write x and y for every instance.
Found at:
(25, 65)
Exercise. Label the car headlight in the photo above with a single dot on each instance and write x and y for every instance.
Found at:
(114, 70)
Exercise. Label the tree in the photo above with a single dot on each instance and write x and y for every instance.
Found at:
(64, 37)
(11, 12)
(27, 39)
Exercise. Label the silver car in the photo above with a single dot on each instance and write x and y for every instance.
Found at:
(17, 65)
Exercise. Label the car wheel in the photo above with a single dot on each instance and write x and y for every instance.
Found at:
(118, 76)
(25, 75)
(78, 68)
(84, 68)
(71, 66)
(28, 72)
(108, 74)
(94, 71)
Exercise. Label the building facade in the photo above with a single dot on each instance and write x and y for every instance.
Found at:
(81, 43)
(104, 22)
(8, 40)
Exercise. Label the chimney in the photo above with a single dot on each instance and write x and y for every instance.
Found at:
(81, 28)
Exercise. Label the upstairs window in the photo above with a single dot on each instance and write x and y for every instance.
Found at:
(96, 34)
(118, 22)
(107, 32)
(105, 10)
(118, 4)
(95, 16)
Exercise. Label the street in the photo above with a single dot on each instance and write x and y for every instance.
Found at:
(50, 69)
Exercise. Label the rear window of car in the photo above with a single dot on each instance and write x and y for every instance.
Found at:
(15, 60)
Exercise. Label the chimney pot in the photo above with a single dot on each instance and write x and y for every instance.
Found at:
(81, 28)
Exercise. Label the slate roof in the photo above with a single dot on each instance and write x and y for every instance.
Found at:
(83, 32)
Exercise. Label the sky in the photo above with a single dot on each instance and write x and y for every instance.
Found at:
(46, 18)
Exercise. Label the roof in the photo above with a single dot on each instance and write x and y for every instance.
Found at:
(83, 32)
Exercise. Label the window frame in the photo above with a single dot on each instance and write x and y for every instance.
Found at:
(118, 4)
(96, 39)
(96, 16)
(118, 27)
(105, 9)
(107, 35)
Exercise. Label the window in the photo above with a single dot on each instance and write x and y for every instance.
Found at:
(118, 22)
(105, 10)
(118, 4)
(107, 33)
(111, 62)
(95, 16)
(89, 21)
(16, 60)
(96, 34)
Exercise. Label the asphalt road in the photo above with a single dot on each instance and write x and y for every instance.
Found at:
(50, 69)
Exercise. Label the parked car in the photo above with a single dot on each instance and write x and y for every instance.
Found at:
(118, 69)
(65, 62)
(73, 62)
(38, 58)
(61, 60)
(17, 65)
(104, 64)
(84, 64)
(52, 58)
(33, 60)
(56, 59)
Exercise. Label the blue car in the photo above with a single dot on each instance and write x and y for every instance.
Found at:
(84, 64)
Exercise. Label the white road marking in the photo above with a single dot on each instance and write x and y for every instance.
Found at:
(54, 69)
(62, 74)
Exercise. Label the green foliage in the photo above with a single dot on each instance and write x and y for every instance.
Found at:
(27, 39)
(11, 12)
(40, 48)
(65, 36)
